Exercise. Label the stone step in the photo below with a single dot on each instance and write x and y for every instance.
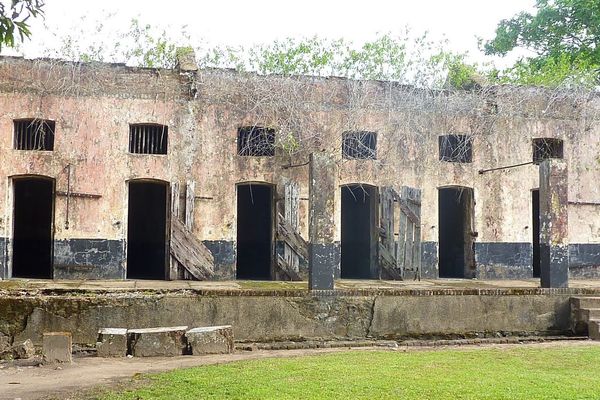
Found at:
(210, 340)
(586, 314)
(112, 342)
(594, 329)
(157, 342)
(585, 302)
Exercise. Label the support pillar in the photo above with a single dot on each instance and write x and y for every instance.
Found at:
(324, 253)
(554, 226)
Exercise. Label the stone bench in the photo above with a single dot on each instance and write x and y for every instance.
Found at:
(157, 342)
(112, 342)
(210, 340)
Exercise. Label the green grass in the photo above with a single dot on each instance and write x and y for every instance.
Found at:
(571, 372)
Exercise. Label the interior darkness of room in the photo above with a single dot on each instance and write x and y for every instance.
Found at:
(357, 231)
(32, 232)
(454, 231)
(147, 231)
(254, 231)
(535, 207)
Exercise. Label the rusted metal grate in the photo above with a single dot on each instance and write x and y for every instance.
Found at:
(256, 141)
(34, 134)
(148, 138)
(545, 148)
(456, 148)
(359, 145)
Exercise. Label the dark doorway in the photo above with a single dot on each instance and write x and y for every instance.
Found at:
(455, 232)
(535, 207)
(147, 240)
(33, 228)
(254, 231)
(359, 204)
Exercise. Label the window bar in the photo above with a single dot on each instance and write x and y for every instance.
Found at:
(29, 136)
(138, 142)
(151, 139)
(39, 134)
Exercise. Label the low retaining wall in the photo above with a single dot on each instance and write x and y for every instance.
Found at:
(262, 316)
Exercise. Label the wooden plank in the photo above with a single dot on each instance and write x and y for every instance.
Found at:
(405, 207)
(190, 252)
(401, 243)
(416, 208)
(291, 205)
(175, 199)
(387, 217)
(287, 269)
(188, 220)
(287, 234)
(408, 252)
(387, 263)
(411, 199)
(417, 252)
(190, 196)
(173, 264)
(386, 227)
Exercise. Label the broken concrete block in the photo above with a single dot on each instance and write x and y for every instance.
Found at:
(112, 342)
(594, 329)
(211, 340)
(19, 351)
(57, 347)
(157, 342)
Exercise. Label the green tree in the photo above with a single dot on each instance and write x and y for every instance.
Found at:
(564, 36)
(14, 21)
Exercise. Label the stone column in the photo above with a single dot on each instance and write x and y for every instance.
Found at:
(324, 253)
(554, 226)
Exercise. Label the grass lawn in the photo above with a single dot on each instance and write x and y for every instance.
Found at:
(570, 372)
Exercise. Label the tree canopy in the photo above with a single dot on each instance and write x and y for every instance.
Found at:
(564, 36)
(14, 20)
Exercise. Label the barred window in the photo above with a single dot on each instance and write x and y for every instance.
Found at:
(545, 148)
(34, 134)
(359, 145)
(148, 138)
(456, 148)
(256, 141)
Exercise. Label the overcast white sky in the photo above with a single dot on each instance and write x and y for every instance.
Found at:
(244, 22)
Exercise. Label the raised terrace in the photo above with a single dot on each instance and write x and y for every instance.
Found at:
(267, 312)
(291, 208)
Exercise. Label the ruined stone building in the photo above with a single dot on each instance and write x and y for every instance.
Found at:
(113, 172)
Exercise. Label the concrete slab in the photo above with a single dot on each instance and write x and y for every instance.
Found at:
(57, 347)
(211, 340)
(115, 286)
(157, 342)
(112, 342)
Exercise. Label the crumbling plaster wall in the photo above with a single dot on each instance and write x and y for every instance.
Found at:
(94, 107)
(503, 213)
(92, 129)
